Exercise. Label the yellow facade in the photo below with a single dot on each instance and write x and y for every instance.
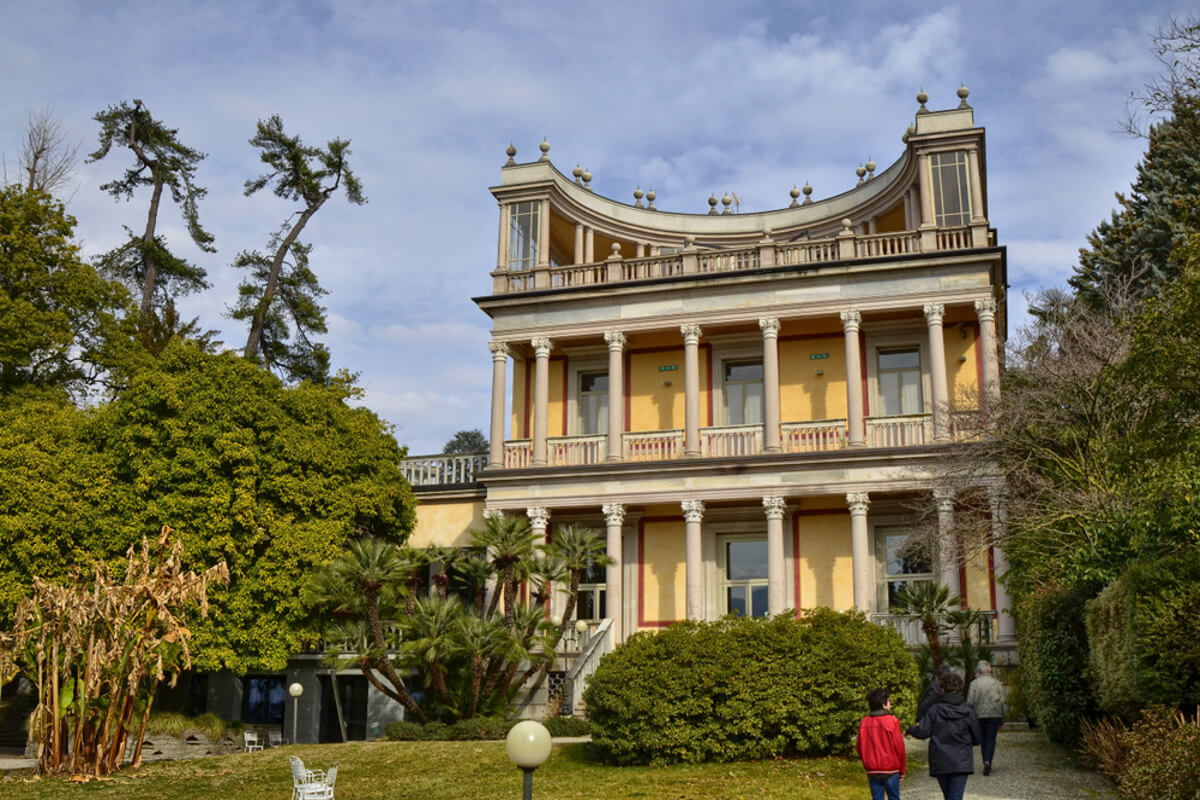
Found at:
(656, 395)
(826, 565)
(962, 367)
(662, 571)
(447, 524)
(805, 395)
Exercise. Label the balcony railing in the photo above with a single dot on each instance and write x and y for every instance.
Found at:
(697, 260)
(822, 436)
(910, 629)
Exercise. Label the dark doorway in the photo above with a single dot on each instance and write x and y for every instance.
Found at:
(352, 690)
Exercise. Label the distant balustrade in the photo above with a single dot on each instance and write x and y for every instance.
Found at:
(441, 470)
(903, 431)
(734, 440)
(653, 445)
(813, 437)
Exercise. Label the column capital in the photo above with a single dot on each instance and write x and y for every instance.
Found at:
(541, 346)
(944, 498)
(691, 333)
(616, 340)
(851, 320)
(539, 516)
(934, 313)
(769, 326)
(492, 513)
(499, 350)
(773, 507)
(858, 502)
(693, 510)
(614, 513)
(985, 309)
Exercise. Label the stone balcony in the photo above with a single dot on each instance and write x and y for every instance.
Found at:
(692, 260)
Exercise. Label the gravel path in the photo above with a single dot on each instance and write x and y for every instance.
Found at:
(1027, 767)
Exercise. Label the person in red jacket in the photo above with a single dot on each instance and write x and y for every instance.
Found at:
(881, 747)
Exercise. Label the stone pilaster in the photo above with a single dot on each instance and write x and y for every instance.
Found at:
(693, 514)
(691, 381)
(774, 508)
(937, 372)
(614, 519)
(770, 334)
(541, 397)
(496, 440)
(616, 394)
(860, 550)
(851, 321)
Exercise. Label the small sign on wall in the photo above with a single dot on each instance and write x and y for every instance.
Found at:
(817, 356)
(667, 368)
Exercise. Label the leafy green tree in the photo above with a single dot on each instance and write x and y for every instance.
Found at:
(272, 479)
(59, 319)
(466, 443)
(279, 289)
(160, 161)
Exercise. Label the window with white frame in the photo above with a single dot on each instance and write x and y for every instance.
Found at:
(951, 188)
(742, 390)
(742, 561)
(902, 558)
(898, 372)
(593, 403)
(523, 221)
(592, 595)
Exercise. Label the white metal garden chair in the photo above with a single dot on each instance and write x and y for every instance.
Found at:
(274, 739)
(250, 741)
(312, 784)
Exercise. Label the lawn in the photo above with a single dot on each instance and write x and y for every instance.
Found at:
(452, 771)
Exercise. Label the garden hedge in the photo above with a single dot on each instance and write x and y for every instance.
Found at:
(743, 688)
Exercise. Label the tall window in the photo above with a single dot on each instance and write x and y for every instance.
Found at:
(951, 188)
(592, 595)
(263, 697)
(744, 576)
(523, 235)
(900, 382)
(903, 560)
(593, 403)
(743, 392)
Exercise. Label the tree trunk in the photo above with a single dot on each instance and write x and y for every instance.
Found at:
(150, 277)
(258, 322)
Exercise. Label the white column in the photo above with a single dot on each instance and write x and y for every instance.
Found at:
(1006, 623)
(614, 518)
(854, 399)
(589, 245)
(776, 572)
(541, 398)
(937, 372)
(616, 394)
(986, 311)
(543, 259)
(502, 248)
(770, 333)
(948, 556)
(578, 243)
(973, 172)
(693, 513)
(926, 198)
(496, 442)
(860, 550)
(539, 521)
(691, 382)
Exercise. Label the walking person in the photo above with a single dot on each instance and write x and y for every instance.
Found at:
(881, 747)
(986, 697)
(952, 729)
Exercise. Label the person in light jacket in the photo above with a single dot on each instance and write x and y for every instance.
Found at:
(986, 696)
(952, 729)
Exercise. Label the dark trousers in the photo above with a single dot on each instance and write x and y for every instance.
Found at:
(989, 727)
(884, 783)
(953, 785)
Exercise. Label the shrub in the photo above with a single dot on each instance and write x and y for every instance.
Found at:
(463, 730)
(1053, 646)
(170, 723)
(568, 726)
(743, 688)
(1104, 746)
(1163, 757)
(1145, 636)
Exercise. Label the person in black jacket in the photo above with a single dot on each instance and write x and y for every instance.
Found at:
(952, 729)
(932, 693)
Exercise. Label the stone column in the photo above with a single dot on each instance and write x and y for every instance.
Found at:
(776, 571)
(614, 518)
(771, 431)
(539, 521)
(860, 550)
(496, 442)
(616, 395)
(947, 547)
(589, 245)
(578, 259)
(854, 399)
(691, 382)
(693, 513)
(543, 258)
(1006, 623)
(986, 311)
(928, 226)
(937, 372)
(541, 398)
(973, 174)
(502, 249)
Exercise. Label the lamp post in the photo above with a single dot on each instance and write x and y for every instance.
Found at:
(528, 746)
(295, 690)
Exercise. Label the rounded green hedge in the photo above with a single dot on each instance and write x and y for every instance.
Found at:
(743, 688)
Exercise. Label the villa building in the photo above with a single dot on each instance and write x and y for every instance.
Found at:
(747, 403)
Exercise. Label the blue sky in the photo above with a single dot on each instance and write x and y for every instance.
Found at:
(690, 98)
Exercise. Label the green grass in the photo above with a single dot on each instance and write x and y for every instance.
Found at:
(453, 771)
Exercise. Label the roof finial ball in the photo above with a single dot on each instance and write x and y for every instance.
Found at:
(545, 148)
(578, 173)
(795, 193)
(725, 201)
(510, 151)
(587, 179)
(860, 172)
(712, 204)
(807, 194)
(922, 98)
(870, 168)
(650, 195)
(638, 194)
(963, 91)
(912, 129)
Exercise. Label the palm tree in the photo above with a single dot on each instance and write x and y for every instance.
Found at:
(430, 630)
(475, 570)
(929, 603)
(510, 543)
(480, 640)
(445, 558)
(578, 549)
